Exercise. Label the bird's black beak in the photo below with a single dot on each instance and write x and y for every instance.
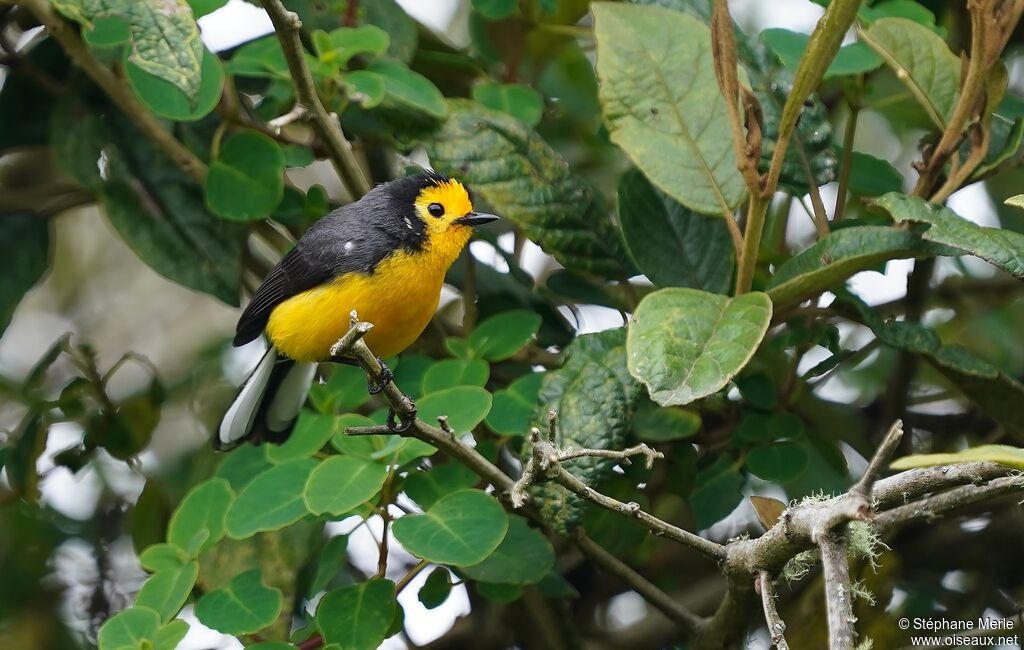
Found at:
(475, 219)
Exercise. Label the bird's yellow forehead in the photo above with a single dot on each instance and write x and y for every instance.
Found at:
(450, 194)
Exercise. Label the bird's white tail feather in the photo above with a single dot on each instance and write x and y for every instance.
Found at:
(238, 421)
(291, 394)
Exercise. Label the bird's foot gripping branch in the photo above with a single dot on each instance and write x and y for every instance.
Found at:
(828, 531)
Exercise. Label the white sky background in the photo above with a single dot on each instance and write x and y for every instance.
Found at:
(239, 22)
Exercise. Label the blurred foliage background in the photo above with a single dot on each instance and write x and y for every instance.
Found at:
(147, 183)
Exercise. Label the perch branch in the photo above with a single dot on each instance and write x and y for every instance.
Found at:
(776, 626)
(835, 564)
(288, 26)
(76, 49)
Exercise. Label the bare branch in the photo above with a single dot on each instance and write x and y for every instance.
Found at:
(939, 504)
(861, 490)
(838, 596)
(776, 626)
(287, 26)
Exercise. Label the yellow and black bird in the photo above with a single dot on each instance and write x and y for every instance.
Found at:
(384, 256)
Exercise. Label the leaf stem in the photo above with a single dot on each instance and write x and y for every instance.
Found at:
(846, 166)
(757, 209)
(116, 89)
(288, 26)
(412, 573)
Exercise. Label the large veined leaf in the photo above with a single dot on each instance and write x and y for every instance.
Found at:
(1004, 248)
(686, 344)
(663, 106)
(921, 60)
(839, 255)
(594, 397)
(156, 209)
(771, 83)
(164, 36)
(672, 245)
(525, 181)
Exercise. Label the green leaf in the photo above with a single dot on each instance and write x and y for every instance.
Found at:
(524, 180)
(271, 501)
(789, 46)
(245, 606)
(426, 488)
(160, 557)
(655, 424)
(436, 588)
(170, 635)
(462, 528)
(754, 426)
(165, 37)
(921, 60)
(341, 483)
(662, 104)
(24, 101)
(26, 248)
(686, 344)
(839, 255)
(909, 9)
(129, 628)
(202, 7)
(449, 373)
(672, 245)
(778, 462)
(169, 101)
(871, 176)
(1002, 454)
(521, 102)
(345, 390)
(465, 406)
(366, 88)
(166, 591)
(246, 182)
(501, 336)
(343, 43)
(499, 593)
(358, 617)
(409, 89)
(496, 9)
(260, 58)
(524, 557)
(594, 397)
(1004, 248)
(202, 510)
(108, 31)
(241, 465)
(332, 558)
(513, 408)
(716, 492)
(310, 434)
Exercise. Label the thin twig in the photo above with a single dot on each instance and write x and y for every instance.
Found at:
(776, 626)
(835, 565)
(861, 490)
(288, 26)
(412, 573)
(116, 89)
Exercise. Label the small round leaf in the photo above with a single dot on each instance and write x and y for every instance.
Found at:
(524, 557)
(202, 509)
(465, 406)
(128, 628)
(501, 336)
(341, 483)
(245, 606)
(462, 528)
(246, 181)
(271, 501)
(358, 617)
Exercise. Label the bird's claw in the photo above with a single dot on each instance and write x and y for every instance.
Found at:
(386, 376)
(402, 424)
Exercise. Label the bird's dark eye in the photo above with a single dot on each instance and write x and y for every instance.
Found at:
(435, 210)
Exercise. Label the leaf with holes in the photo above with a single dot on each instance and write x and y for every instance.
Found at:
(686, 344)
(662, 104)
(462, 528)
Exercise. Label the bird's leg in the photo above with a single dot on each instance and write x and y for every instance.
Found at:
(398, 425)
(386, 376)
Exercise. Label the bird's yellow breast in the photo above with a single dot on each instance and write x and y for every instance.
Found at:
(398, 297)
